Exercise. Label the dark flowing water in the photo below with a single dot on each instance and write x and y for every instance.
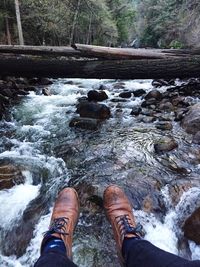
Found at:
(51, 155)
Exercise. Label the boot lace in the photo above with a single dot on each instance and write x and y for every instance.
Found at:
(58, 226)
(126, 227)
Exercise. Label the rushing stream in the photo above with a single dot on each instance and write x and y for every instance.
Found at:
(51, 155)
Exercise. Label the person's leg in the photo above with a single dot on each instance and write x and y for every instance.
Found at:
(141, 253)
(132, 249)
(54, 260)
(56, 248)
(53, 253)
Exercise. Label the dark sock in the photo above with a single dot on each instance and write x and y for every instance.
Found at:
(127, 244)
(54, 244)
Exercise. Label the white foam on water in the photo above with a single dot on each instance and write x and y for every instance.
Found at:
(90, 83)
(25, 154)
(44, 111)
(139, 84)
(14, 201)
(9, 261)
(165, 234)
(160, 234)
(35, 131)
(195, 250)
(33, 250)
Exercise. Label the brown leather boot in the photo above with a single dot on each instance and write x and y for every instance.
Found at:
(119, 213)
(64, 218)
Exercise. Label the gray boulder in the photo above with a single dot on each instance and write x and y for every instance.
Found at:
(165, 144)
(93, 110)
(191, 122)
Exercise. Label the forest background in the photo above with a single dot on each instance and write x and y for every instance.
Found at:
(117, 23)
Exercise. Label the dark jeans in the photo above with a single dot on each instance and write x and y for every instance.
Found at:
(137, 253)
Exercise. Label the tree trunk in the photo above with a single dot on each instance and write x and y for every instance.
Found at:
(89, 30)
(8, 35)
(119, 69)
(8, 31)
(74, 22)
(40, 50)
(97, 52)
(124, 53)
(19, 24)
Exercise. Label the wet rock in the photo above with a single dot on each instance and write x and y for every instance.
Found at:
(191, 227)
(155, 94)
(2, 109)
(33, 81)
(171, 82)
(125, 95)
(163, 125)
(166, 106)
(46, 92)
(156, 83)
(149, 102)
(85, 123)
(174, 165)
(8, 92)
(174, 89)
(9, 79)
(191, 121)
(177, 188)
(17, 86)
(90, 196)
(153, 107)
(160, 83)
(103, 87)
(163, 117)
(144, 192)
(139, 92)
(190, 89)
(10, 176)
(22, 92)
(83, 99)
(69, 82)
(93, 110)
(2, 84)
(196, 138)
(180, 114)
(136, 111)
(120, 85)
(30, 88)
(116, 100)
(94, 95)
(21, 80)
(193, 156)
(119, 110)
(165, 144)
(147, 119)
(4, 100)
(147, 112)
(179, 102)
(45, 81)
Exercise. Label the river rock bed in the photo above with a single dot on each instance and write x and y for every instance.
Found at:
(89, 134)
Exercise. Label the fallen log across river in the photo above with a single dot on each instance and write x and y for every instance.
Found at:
(86, 61)
(101, 52)
(23, 66)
